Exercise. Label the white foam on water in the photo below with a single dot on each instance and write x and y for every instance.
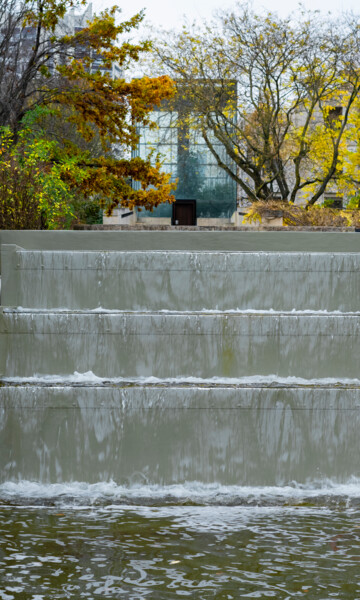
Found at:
(195, 491)
(91, 378)
(164, 311)
(218, 519)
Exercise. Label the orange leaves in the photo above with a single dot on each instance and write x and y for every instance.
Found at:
(115, 106)
(146, 93)
(111, 180)
(79, 89)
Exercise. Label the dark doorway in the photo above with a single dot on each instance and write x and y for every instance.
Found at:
(184, 212)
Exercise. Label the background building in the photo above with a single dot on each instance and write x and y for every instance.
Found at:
(205, 193)
(204, 190)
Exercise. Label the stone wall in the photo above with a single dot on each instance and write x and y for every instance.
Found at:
(160, 227)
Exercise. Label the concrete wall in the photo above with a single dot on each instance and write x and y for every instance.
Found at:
(165, 280)
(179, 345)
(228, 435)
(249, 419)
(173, 239)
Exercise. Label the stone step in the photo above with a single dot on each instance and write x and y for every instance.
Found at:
(141, 434)
(163, 280)
(179, 344)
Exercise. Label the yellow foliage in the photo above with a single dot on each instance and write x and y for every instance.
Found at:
(295, 215)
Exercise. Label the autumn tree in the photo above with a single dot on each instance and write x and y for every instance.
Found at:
(43, 64)
(278, 96)
(36, 191)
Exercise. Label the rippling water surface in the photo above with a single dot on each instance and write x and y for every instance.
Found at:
(81, 541)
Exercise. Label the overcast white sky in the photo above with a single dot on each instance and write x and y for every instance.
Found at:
(170, 14)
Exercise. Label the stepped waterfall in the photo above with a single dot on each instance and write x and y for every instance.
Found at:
(228, 359)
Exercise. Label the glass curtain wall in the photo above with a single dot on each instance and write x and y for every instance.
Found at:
(186, 156)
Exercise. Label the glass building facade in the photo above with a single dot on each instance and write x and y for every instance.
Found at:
(186, 156)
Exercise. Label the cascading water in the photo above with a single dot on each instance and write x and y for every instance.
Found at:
(221, 367)
(189, 376)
